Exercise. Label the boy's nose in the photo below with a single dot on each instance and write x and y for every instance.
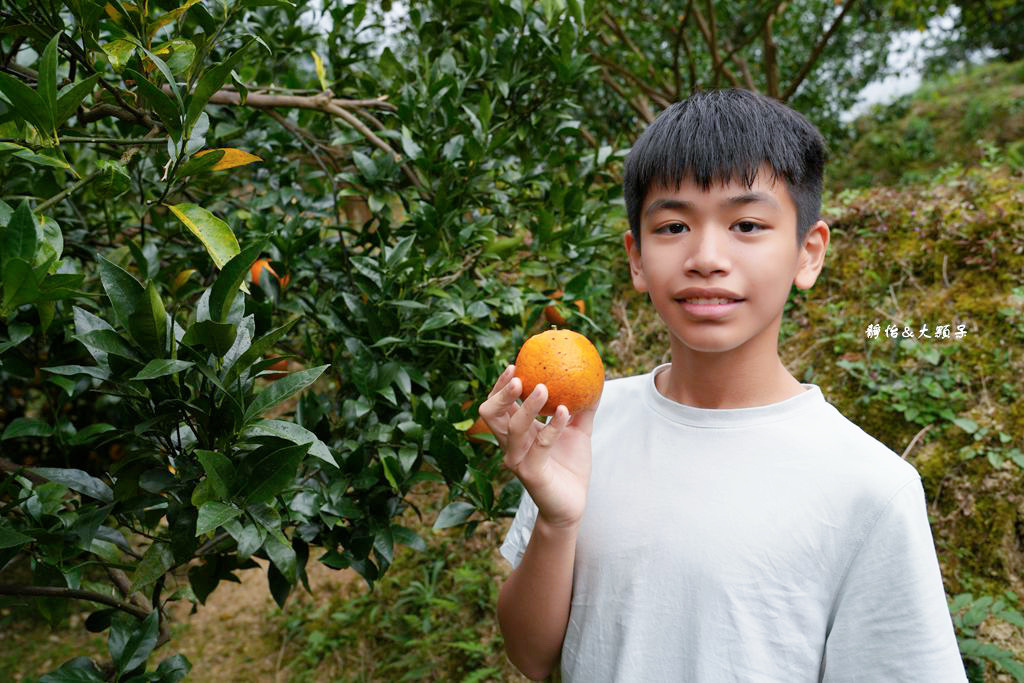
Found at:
(709, 252)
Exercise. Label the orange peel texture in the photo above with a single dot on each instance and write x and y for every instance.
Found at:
(568, 364)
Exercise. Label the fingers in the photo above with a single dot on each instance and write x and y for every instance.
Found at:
(522, 426)
(503, 380)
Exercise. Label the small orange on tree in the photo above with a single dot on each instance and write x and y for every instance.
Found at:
(264, 264)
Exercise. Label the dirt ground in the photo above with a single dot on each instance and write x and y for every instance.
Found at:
(230, 638)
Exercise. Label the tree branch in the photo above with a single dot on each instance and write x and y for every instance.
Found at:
(816, 53)
(71, 594)
(681, 42)
(659, 98)
(102, 111)
(635, 102)
(609, 21)
(771, 64)
(719, 67)
(322, 102)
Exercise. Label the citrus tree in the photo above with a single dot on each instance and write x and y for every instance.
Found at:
(193, 193)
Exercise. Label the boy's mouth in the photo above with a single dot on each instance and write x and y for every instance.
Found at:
(706, 301)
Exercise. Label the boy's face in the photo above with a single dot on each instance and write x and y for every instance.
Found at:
(728, 238)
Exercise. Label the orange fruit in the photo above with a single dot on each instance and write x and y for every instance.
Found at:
(567, 364)
(554, 316)
(280, 369)
(263, 264)
(479, 427)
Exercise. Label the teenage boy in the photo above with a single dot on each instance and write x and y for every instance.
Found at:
(716, 519)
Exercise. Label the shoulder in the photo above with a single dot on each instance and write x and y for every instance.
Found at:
(870, 467)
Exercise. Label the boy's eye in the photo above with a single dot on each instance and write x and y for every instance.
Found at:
(749, 225)
(673, 228)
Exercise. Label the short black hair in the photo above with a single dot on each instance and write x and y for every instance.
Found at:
(716, 136)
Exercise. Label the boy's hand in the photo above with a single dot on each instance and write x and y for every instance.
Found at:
(553, 460)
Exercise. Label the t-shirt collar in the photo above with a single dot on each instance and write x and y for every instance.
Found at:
(729, 417)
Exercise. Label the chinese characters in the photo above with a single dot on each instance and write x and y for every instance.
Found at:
(874, 331)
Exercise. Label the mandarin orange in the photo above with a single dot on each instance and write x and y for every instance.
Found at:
(568, 364)
(555, 316)
(256, 272)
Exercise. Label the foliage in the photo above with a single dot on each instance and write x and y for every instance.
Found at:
(968, 614)
(142, 435)
(956, 120)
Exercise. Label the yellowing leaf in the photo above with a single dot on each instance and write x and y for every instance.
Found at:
(231, 159)
(214, 233)
(111, 12)
(118, 53)
(181, 279)
(170, 17)
(320, 72)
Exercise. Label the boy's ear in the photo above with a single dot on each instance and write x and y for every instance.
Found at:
(812, 256)
(636, 269)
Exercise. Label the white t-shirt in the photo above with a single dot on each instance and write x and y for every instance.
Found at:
(774, 543)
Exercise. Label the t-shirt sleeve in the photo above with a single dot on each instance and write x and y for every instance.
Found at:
(518, 536)
(891, 620)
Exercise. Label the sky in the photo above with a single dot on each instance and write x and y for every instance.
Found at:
(905, 57)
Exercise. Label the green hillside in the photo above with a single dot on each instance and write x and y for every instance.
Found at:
(961, 118)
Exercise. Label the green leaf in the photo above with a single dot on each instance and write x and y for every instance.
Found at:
(77, 670)
(969, 426)
(409, 146)
(454, 514)
(27, 104)
(72, 96)
(217, 337)
(295, 433)
(214, 233)
(47, 84)
(160, 101)
(400, 251)
(26, 426)
(77, 480)
(19, 238)
(9, 538)
(210, 83)
(166, 72)
(231, 276)
(273, 473)
(213, 514)
(20, 284)
(282, 390)
(256, 351)
(34, 158)
(161, 367)
(109, 342)
(249, 537)
(408, 537)
(282, 555)
(438, 320)
(126, 294)
(90, 433)
(219, 471)
(132, 641)
(112, 181)
(154, 564)
(173, 669)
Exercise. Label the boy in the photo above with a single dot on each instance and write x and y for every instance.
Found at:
(716, 519)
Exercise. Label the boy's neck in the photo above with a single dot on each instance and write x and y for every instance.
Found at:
(725, 381)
